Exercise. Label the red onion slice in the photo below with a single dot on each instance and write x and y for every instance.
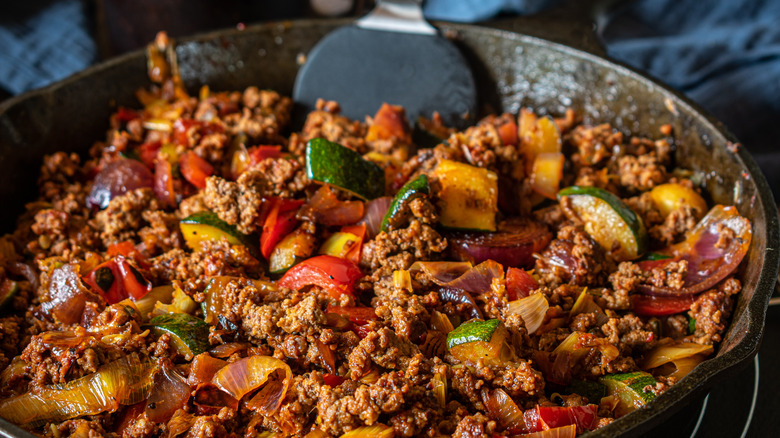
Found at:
(116, 179)
(513, 245)
(709, 259)
(375, 212)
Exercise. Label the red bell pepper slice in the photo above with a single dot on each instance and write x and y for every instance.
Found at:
(358, 315)
(163, 183)
(361, 330)
(259, 153)
(195, 169)
(278, 216)
(147, 152)
(519, 283)
(549, 417)
(116, 280)
(335, 275)
(650, 305)
(353, 254)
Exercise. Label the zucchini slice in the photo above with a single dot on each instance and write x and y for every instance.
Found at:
(594, 391)
(631, 389)
(190, 335)
(607, 219)
(467, 197)
(340, 166)
(480, 340)
(8, 290)
(339, 244)
(413, 189)
(206, 226)
(291, 250)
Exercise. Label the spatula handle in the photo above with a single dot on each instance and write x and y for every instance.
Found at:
(397, 16)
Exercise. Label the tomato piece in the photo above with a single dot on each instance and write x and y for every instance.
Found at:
(353, 254)
(259, 153)
(358, 315)
(650, 305)
(332, 380)
(278, 217)
(195, 169)
(519, 283)
(508, 133)
(147, 152)
(551, 417)
(163, 182)
(335, 275)
(128, 417)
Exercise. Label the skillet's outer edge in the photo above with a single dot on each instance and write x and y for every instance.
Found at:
(707, 374)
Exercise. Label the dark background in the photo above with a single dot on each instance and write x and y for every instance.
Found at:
(725, 55)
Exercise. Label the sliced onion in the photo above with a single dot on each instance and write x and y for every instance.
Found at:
(376, 431)
(169, 393)
(228, 349)
(327, 356)
(503, 409)
(532, 309)
(585, 304)
(125, 381)
(479, 278)
(513, 245)
(375, 212)
(209, 399)
(578, 344)
(203, 369)
(244, 376)
(441, 322)
(685, 365)
(67, 295)
(707, 264)
(116, 179)
(181, 422)
(569, 431)
(671, 351)
(460, 296)
(439, 388)
(441, 273)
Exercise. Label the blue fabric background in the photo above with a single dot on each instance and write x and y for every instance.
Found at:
(723, 54)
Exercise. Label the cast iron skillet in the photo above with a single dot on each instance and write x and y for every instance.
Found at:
(512, 70)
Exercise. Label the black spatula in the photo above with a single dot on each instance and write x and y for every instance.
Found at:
(391, 55)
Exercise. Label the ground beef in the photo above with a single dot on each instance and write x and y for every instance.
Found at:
(594, 143)
(475, 426)
(711, 311)
(572, 257)
(124, 216)
(628, 333)
(398, 249)
(638, 174)
(286, 177)
(237, 203)
(674, 227)
(326, 123)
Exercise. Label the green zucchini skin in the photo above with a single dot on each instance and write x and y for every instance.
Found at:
(472, 331)
(413, 189)
(340, 166)
(191, 332)
(8, 290)
(205, 225)
(628, 216)
(630, 389)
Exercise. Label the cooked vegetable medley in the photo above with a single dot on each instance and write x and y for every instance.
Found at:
(203, 272)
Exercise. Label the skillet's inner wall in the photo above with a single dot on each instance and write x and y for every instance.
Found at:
(512, 71)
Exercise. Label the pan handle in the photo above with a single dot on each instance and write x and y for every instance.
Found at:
(574, 23)
(397, 16)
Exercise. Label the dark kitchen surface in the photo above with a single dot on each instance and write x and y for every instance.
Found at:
(744, 404)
